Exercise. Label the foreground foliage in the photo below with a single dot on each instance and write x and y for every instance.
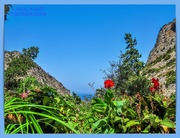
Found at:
(39, 109)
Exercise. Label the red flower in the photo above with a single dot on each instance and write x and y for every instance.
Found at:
(153, 79)
(156, 84)
(108, 84)
(152, 89)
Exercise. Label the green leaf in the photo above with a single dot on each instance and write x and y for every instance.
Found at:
(165, 103)
(119, 105)
(158, 99)
(57, 99)
(131, 112)
(147, 129)
(91, 120)
(69, 104)
(170, 111)
(108, 96)
(145, 112)
(97, 101)
(98, 110)
(157, 120)
(168, 123)
(111, 131)
(126, 120)
(101, 105)
(45, 100)
(51, 104)
(99, 124)
(132, 123)
(124, 128)
(152, 118)
(117, 119)
(71, 124)
(106, 131)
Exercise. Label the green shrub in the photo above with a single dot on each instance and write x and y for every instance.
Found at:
(171, 62)
(165, 56)
(158, 59)
(153, 70)
(138, 84)
(171, 73)
(171, 50)
(144, 71)
(171, 80)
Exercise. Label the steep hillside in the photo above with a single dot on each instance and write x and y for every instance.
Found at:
(37, 72)
(161, 62)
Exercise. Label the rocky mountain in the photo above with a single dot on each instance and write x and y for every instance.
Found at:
(161, 62)
(37, 72)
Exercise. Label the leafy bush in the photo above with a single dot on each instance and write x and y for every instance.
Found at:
(44, 111)
(138, 84)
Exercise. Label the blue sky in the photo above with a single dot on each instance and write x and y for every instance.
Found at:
(76, 41)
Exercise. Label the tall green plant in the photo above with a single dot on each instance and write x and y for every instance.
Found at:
(27, 120)
(127, 67)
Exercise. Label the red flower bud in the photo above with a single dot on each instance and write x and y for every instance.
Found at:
(152, 89)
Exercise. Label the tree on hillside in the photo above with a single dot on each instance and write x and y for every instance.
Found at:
(19, 66)
(131, 56)
(126, 72)
(31, 52)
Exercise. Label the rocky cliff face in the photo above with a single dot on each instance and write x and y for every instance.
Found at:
(37, 72)
(161, 62)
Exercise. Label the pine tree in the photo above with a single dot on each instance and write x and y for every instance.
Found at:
(131, 62)
(126, 72)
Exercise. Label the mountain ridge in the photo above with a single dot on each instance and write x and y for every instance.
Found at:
(42, 76)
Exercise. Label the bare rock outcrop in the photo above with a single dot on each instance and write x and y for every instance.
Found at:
(161, 62)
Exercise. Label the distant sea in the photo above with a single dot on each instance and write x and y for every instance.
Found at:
(82, 96)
